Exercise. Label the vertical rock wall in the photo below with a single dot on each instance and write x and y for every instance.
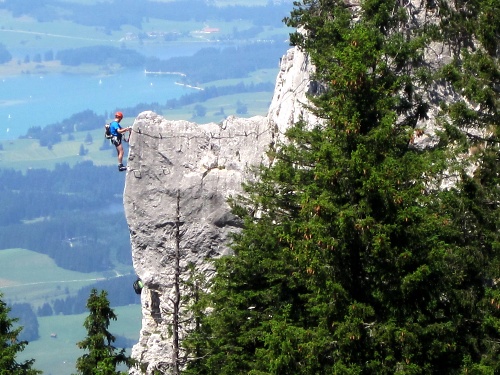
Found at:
(202, 165)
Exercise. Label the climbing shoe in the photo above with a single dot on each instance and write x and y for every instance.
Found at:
(121, 167)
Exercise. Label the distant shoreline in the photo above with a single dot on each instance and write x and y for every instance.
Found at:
(189, 86)
(147, 72)
(14, 68)
(164, 73)
(55, 67)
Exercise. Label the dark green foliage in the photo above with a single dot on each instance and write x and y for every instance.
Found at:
(199, 111)
(51, 134)
(98, 54)
(194, 300)
(45, 310)
(237, 62)
(102, 357)
(82, 151)
(11, 346)
(369, 255)
(27, 319)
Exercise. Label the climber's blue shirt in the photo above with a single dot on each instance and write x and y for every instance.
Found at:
(113, 128)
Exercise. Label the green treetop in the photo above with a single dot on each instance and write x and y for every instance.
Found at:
(101, 357)
(369, 253)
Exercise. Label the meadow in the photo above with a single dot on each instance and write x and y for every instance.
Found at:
(30, 277)
(23, 154)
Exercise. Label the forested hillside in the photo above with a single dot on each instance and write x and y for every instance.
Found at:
(203, 66)
(74, 215)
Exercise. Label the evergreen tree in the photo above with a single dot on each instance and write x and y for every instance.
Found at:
(102, 357)
(82, 151)
(369, 254)
(195, 302)
(27, 318)
(10, 346)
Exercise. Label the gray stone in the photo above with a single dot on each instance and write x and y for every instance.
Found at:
(205, 164)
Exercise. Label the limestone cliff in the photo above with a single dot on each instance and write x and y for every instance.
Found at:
(202, 165)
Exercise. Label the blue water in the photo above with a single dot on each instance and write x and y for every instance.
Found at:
(35, 100)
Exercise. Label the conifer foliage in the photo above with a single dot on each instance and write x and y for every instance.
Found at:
(369, 253)
(11, 347)
(101, 358)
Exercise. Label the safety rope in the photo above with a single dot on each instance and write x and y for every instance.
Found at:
(212, 135)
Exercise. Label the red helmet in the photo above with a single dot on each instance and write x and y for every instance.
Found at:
(119, 115)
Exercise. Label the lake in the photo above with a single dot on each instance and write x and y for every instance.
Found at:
(33, 100)
(28, 100)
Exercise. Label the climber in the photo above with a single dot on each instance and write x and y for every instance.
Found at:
(117, 132)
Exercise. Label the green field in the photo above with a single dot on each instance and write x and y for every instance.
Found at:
(45, 36)
(26, 276)
(257, 76)
(257, 104)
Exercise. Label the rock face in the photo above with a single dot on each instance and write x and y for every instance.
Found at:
(182, 173)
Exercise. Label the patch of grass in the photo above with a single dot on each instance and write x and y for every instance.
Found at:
(34, 278)
(27, 276)
(31, 36)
